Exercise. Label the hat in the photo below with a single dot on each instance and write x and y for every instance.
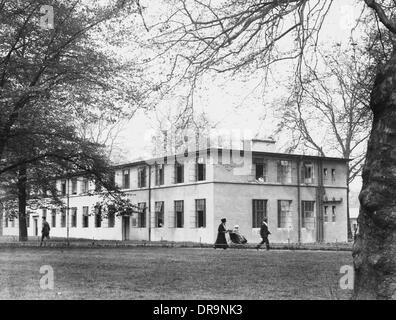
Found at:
(236, 227)
(223, 220)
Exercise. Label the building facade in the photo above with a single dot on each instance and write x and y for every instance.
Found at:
(183, 198)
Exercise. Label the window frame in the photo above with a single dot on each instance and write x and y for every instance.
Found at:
(256, 218)
(287, 215)
(176, 207)
(159, 214)
(197, 213)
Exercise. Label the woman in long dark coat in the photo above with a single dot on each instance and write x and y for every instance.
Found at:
(221, 241)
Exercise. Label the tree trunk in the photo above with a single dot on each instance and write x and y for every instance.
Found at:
(374, 250)
(22, 199)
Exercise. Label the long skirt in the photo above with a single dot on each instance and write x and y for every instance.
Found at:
(221, 241)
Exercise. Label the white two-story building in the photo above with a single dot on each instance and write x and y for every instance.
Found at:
(183, 198)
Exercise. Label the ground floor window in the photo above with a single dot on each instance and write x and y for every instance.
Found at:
(333, 213)
(308, 214)
(111, 217)
(12, 222)
(159, 214)
(85, 217)
(200, 213)
(27, 220)
(142, 215)
(179, 214)
(63, 218)
(259, 212)
(6, 222)
(326, 214)
(98, 217)
(284, 214)
(74, 217)
(53, 218)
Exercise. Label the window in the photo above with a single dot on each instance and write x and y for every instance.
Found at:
(98, 186)
(125, 179)
(85, 217)
(27, 220)
(53, 218)
(98, 216)
(333, 213)
(12, 219)
(44, 213)
(159, 174)
(142, 215)
(307, 173)
(284, 171)
(200, 213)
(200, 170)
(84, 186)
(111, 216)
(63, 187)
(63, 218)
(179, 172)
(333, 175)
(159, 214)
(6, 222)
(284, 214)
(308, 211)
(74, 186)
(326, 214)
(261, 172)
(179, 214)
(325, 173)
(259, 212)
(74, 217)
(142, 177)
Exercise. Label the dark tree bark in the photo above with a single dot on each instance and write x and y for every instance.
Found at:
(22, 202)
(375, 246)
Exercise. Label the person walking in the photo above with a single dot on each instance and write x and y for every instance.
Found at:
(45, 231)
(221, 241)
(264, 233)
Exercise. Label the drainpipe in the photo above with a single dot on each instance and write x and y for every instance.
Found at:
(298, 201)
(149, 204)
(67, 210)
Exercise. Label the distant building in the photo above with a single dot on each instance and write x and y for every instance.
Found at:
(353, 215)
(183, 198)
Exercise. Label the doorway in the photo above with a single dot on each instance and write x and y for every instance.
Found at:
(125, 228)
(35, 226)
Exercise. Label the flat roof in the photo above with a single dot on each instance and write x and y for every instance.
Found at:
(254, 154)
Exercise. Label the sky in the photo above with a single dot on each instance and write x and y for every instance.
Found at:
(243, 103)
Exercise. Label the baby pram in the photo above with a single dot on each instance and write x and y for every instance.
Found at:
(236, 237)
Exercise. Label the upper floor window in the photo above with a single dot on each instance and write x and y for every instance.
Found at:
(259, 212)
(125, 179)
(179, 172)
(159, 174)
(333, 175)
(326, 214)
(284, 214)
(200, 171)
(74, 186)
(142, 177)
(63, 187)
(308, 172)
(284, 171)
(84, 186)
(261, 172)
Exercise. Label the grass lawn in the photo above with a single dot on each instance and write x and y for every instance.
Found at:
(172, 273)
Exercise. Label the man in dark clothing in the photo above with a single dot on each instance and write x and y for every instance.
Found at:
(45, 231)
(264, 232)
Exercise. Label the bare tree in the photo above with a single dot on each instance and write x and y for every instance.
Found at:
(234, 36)
(330, 113)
